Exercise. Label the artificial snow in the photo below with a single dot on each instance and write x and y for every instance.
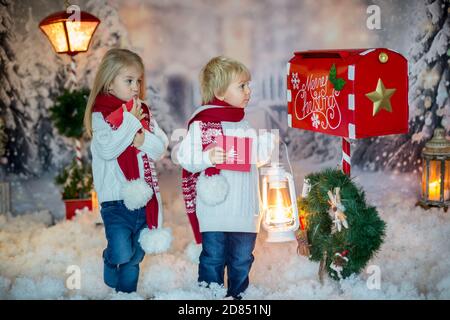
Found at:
(40, 260)
(193, 251)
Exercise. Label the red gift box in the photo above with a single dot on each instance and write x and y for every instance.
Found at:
(238, 150)
(115, 118)
(348, 93)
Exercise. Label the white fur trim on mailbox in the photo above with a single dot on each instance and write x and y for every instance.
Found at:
(366, 52)
(156, 240)
(351, 72)
(212, 190)
(136, 194)
(351, 102)
(289, 95)
(351, 131)
(193, 251)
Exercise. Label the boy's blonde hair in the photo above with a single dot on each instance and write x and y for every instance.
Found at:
(112, 62)
(217, 74)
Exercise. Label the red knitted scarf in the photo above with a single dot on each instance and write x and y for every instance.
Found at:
(111, 109)
(210, 124)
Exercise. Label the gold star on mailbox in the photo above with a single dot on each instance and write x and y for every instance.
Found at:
(381, 98)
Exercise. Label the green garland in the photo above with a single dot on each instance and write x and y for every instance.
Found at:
(357, 243)
(68, 112)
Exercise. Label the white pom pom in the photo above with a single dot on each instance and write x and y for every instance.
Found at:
(155, 240)
(212, 190)
(136, 194)
(193, 251)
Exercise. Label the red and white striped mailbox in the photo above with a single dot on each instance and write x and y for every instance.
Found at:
(353, 94)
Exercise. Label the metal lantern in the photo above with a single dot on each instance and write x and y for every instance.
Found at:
(67, 35)
(436, 172)
(280, 212)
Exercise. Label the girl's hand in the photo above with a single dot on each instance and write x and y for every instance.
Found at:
(217, 155)
(136, 110)
(138, 139)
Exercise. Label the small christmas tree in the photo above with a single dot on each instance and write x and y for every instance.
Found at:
(76, 181)
(67, 115)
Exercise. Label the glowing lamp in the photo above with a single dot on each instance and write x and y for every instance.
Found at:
(280, 212)
(68, 35)
(436, 172)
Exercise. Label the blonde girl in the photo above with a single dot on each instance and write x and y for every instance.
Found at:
(126, 141)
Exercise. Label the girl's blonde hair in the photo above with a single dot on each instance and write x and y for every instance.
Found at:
(217, 74)
(112, 62)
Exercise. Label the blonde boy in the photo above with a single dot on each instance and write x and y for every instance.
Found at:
(222, 205)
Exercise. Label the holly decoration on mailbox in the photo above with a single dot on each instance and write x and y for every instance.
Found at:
(338, 83)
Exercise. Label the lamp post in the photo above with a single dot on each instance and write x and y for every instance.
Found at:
(70, 32)
(436, 172)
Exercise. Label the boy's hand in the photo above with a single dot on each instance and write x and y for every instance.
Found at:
(217, 155)
(138, 139)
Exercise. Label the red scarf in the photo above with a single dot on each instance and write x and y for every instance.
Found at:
(111, 107)
(210, 121)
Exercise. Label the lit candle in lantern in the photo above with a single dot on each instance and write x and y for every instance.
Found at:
(434, 190)
(436, 171)
(280, 211)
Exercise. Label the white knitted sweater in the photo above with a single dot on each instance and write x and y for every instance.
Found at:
(240, 212)
(107, 144)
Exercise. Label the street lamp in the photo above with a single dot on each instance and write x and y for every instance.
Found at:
(70, 33)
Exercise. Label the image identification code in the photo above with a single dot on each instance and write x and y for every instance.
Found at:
(226, 309)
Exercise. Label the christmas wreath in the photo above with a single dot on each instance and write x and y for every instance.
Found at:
(343, 231)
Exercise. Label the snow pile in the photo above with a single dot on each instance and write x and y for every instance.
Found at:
(40, 260)
(36, 257)
(45, 287)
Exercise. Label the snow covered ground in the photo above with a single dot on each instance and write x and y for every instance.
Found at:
(414, 260)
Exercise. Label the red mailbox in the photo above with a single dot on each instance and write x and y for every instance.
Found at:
(348, 93)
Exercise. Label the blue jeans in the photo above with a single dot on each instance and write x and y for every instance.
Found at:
(231, 249)
(123, 252)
